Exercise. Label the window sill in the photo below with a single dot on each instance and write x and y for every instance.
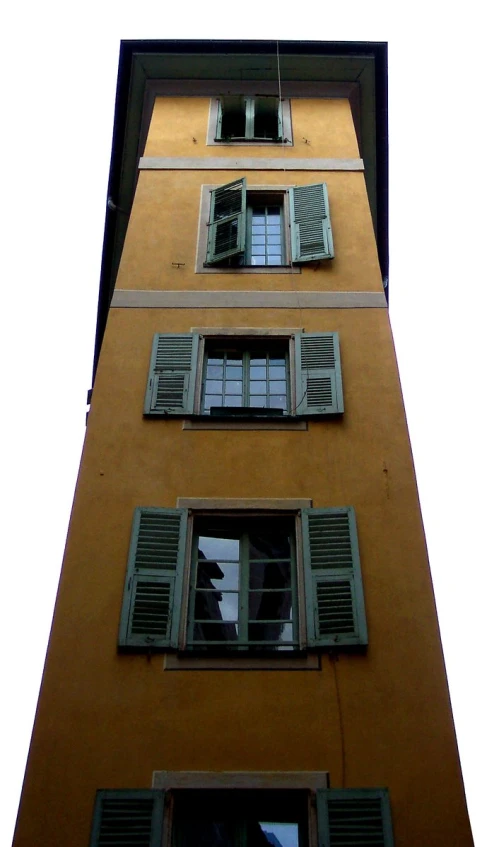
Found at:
(231, 662)
(251, 269)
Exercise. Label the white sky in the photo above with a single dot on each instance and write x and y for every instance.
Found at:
(59, 69)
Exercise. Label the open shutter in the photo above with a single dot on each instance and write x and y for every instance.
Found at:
(152, 594)
(227, 221)
(133, 818)
(311, 234)
(319, 388)
(335, 608)
(172, 375)
(354, 816)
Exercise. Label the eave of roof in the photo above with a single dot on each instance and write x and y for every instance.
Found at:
(143, 61)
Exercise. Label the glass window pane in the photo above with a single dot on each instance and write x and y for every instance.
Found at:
(274, 239)
(277, 372)
(272, 230)
(213, 400)
(274, 260)
(277, 386)
(256, 361)
(278, 401)
(258, 250)
(259, 230)
(273, 211)
(223, 576)
(214, 361)
(258, 220)
(225, 549)
(270, 632)
(274, 249)
(216, 606)
(259, 402)
(214, 372)
(283, 834)
(236, 387)
(258, 239)
(276, 361)
(258, 260)
(214, 386)
(257, 372)
(257, 387)
(233, 400)
(234, 372)
(270, 606)
(233, 359)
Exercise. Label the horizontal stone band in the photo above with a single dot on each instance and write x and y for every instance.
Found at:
(246, 163)
(128, 299)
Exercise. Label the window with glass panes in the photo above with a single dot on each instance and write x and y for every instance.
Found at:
(255, 376)
(264, 242)
(227, 819)
(243, 583)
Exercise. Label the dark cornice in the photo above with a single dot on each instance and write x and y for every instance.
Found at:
(141, 62)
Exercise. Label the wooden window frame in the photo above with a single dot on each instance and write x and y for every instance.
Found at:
(299, 588)
(281, 193)
(214, 119)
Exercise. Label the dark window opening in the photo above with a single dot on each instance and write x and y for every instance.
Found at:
(242, 818)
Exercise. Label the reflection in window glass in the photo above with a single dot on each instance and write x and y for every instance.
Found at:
(240, 818)
(242, 584)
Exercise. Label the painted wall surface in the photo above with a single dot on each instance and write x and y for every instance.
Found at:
(382, 718)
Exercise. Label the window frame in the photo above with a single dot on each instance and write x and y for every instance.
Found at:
(243, 341)
(214, 117)
(299, 589)
(280, 192)
(242, 647)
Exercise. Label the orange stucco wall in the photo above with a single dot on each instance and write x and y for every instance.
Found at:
(381, 718)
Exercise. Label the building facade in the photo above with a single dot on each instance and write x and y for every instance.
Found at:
(245, 647)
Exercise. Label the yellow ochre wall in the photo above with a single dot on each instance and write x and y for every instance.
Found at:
(380, 719)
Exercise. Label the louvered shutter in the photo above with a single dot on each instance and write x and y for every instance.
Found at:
(152, 594)
(356, 817)
(172, 375)
(227, 221)
(311, 234)
(319, 389)
(335, 608)
(129, 818)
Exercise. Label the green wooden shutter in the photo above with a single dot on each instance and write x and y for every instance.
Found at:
(311, 234)
(335, 608)
(227, 222)
(152, 594)
(172, 375)
(133, 818)
(319, 389)
(354, 816)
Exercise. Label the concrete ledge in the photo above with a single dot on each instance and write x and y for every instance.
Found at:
(288, 504)
(246, 163)
(127, 299)
(310, 780)
(175, 662)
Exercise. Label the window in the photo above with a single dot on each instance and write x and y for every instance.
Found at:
(249, 119)
(245, 377)
(243, 120)
(246, 228)
(243, 818)
(243, 582)
(287, 377)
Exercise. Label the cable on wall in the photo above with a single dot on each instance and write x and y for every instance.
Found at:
(333, 656)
